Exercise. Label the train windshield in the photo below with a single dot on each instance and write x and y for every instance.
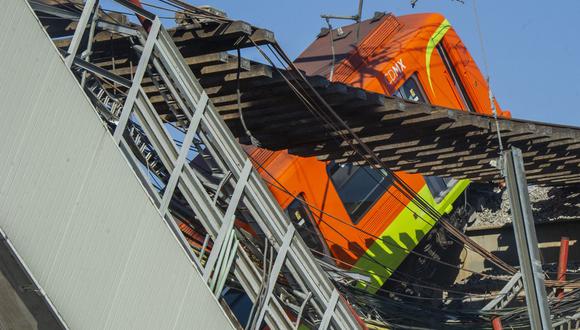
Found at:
(302, 219)
(411, 91)
(439, 186)
(359, 187)
(456, 80)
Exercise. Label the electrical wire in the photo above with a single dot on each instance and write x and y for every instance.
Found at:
(147, 4)
(79, 9)
(378, 288)
(399, 184)
(129, 14)
(301, 96)
(196, 11)
(491, 97)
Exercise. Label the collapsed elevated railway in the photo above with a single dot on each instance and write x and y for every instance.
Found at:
(320, 130)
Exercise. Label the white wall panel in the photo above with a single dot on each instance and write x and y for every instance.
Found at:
(73, 208)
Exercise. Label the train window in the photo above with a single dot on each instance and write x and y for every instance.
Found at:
(302, 219)
(411, 90)
(359, 187)
(456, 80)
(439, 186)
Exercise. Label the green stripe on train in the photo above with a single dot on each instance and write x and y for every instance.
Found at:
(403, 235)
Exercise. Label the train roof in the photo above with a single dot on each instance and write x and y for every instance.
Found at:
(316, 59)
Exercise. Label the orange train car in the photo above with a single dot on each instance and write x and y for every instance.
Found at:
(354, 217)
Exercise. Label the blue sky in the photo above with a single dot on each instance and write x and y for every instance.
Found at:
(532, 47)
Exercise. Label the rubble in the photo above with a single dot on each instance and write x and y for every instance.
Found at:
(548, 204)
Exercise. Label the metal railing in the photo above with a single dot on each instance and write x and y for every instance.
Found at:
(241, 187)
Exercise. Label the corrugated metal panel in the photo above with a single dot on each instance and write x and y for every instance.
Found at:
(74, 209)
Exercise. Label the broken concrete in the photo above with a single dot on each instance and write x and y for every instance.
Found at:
(548, 204)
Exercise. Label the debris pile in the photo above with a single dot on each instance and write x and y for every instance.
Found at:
(548, 204)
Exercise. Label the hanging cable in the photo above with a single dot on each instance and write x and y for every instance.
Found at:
(490, 94)
(330, 76)
(402, 186)
(399, 184)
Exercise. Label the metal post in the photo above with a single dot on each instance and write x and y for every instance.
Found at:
(136, 85)
(228, 221)
(329, 310)
(526, 240)
(224, 252)
(79, 32)
(203, 247)
(302, 307)
(496, 323)
(562, 264)
(276, 268)
(227, 266)
(358, 20)
(186, 144)
(89, 50)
